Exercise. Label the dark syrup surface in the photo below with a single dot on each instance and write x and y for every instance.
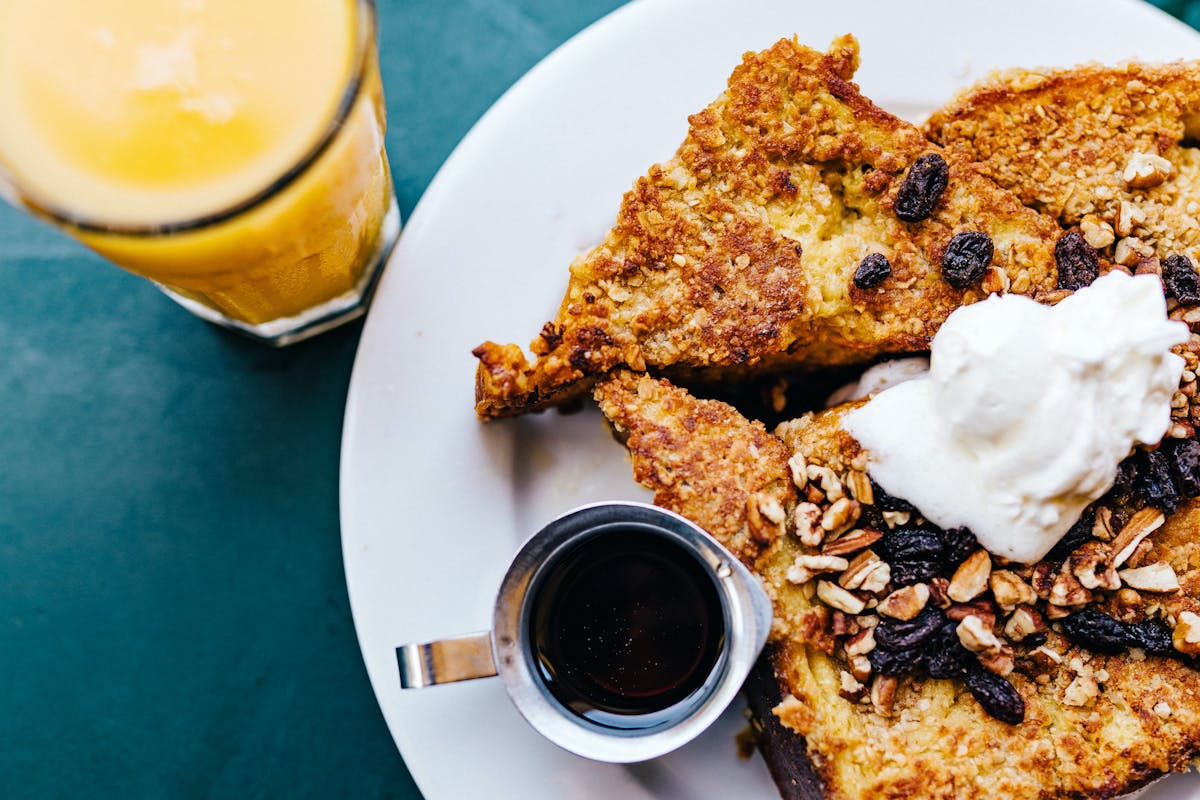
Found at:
(626, 629)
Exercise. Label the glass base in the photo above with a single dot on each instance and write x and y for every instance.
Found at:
(330, 314)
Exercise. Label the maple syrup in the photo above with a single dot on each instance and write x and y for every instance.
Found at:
(627, 627)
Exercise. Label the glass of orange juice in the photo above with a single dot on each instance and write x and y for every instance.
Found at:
(231, 151)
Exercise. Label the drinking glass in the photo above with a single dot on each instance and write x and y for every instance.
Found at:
(230, 152)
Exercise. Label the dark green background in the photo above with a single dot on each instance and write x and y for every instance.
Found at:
(173, 615)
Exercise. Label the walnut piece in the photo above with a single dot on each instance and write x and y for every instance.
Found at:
(1010, 591)
(807, 521)
(906, 603)
(1187, 634)
(1096, 232)
(1091, 563)
(1145, 170)
(977, 637)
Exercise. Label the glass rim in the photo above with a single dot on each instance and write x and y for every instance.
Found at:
(366, 22)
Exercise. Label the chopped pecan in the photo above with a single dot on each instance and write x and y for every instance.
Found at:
(806, 567)
(860, 487)
(1024, 622)
(1067, 591)
(1156, 577)
(799, 470)
(939, 589)
(861, 643)
(971, 578)
(840, 515)
(866, 572)
(860, 667)
(849, 687)
(1140, 525)
(852, 542)
(883, 694)
(837, 597)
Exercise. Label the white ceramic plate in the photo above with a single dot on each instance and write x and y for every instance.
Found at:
(434, 504)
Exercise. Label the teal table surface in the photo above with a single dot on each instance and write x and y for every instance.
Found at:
(173, 612)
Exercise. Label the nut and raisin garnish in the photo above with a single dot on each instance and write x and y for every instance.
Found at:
(922, 188)
(909, 600)
(966, 258)
(872, 271)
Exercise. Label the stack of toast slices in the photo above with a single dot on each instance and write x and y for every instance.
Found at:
(801, 228)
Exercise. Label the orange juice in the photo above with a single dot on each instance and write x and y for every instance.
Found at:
(230, 150)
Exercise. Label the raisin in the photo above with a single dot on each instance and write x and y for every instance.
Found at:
(998, 697)
(1186, 458)
(966, 258)
(945, 655)
(1078, 264)
(872, 271)
(910, 544)
(957, 544)
(1094, 630)
(889, 502)
(1153, 636)
(906, 573)
(922, 188)
(1121, 493)
(1153, 482)
(898, 634)
(895, 662)
(1180, 279)
(1079, 533)
(1035, 640)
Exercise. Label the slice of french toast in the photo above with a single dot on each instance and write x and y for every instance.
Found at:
(1107, 148)
(797, 224)
(1063, 686)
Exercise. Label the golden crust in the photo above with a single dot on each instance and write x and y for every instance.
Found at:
(1061, 141)
(737, 254)
(938, 743)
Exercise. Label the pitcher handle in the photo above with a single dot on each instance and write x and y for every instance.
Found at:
(460, 658)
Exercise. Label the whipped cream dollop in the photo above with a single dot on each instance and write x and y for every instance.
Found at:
(1026, 411)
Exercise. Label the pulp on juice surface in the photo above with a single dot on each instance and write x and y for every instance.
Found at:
(157, 112)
